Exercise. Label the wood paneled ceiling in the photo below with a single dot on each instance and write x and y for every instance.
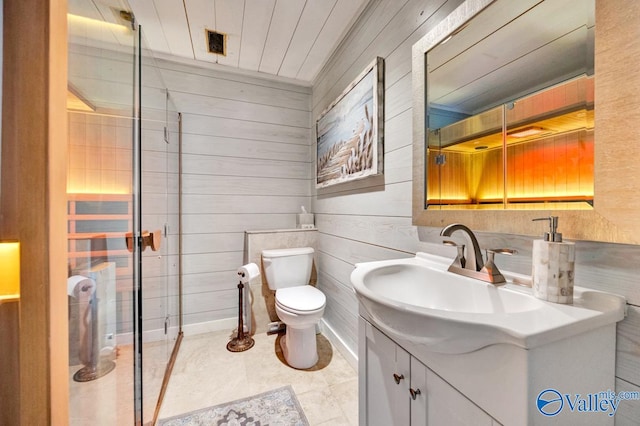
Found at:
(286, 38)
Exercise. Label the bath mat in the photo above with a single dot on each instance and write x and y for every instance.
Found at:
(276, 407)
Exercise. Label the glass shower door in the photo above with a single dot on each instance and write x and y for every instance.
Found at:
(100, 200)
(160, 219)
(123, 225)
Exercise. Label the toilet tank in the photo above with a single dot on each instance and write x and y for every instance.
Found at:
(288, 267)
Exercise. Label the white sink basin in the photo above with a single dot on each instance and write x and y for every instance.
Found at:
(444, 292)
(419, 300)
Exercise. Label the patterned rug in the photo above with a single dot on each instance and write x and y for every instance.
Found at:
(276, 407)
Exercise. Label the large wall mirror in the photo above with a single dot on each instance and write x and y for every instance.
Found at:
(510, 109)
(509, 101)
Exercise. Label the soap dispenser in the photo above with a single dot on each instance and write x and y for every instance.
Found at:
(553, 264)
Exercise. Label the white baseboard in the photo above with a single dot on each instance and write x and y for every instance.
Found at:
(347, 353)
(124, 339)
(230, 324)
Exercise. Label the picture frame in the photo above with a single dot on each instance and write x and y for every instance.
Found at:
(350, 132)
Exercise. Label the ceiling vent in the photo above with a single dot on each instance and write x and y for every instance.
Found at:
(217, 42)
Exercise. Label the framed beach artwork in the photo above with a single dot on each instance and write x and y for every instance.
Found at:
(350, 131)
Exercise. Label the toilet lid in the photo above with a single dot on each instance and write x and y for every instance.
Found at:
(302, 298)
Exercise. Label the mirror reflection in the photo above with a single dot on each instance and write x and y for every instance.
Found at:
(510, 109)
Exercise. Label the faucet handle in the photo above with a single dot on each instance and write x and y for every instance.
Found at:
(506, 251)
(490, 268)
(460, 259)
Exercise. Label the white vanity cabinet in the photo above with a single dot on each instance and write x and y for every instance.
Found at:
(490, 355)
(397, 389)
(384, 388)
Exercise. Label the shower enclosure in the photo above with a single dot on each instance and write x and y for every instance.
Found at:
(123, 220)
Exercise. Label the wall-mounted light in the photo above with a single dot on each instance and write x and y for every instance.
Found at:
(9, 269)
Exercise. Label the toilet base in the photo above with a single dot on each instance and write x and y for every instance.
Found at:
(299, 347)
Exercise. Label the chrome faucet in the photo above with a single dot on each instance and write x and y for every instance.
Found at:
(482, 271)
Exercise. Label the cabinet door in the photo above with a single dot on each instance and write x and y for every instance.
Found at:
(387, 370)
(447, 406)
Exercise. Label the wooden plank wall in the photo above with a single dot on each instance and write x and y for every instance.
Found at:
(555, 166)
(451, 182)
(34, 156)
(371, 220)
(246, 166)
(560, 164)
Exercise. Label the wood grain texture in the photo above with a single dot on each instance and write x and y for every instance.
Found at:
(245, 167)
(213, 165)
(245, 129)
(313, 18)
(174, 34)
(244, 148)
(183, 79)
(335, 76)
(335, 27)
(629, 411)
(258, 80)
(283, 23)
(628, 346)
(375, 38)
(618, 109)
(229, 19)
(146, 11)
(240, 110)
(233, 222)
(254, 32)
(33, 209)
(200, 15)
(9, 368)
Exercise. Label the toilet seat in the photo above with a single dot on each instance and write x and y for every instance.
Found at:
(303, 299)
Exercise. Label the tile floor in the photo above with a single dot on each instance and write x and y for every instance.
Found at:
(206, 374)
(108, 400)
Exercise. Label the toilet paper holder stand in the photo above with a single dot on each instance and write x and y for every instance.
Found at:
(242, 341)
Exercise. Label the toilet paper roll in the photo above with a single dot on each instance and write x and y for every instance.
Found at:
(77, 283)
(248, 272)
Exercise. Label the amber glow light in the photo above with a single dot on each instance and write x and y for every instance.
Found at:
(9, 268)
(78, 23)
(91, 190)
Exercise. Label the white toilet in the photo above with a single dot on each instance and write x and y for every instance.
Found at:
(299, 305)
